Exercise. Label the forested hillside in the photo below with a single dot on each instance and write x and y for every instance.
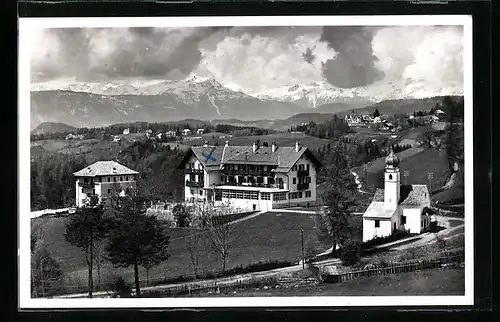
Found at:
(53, 184)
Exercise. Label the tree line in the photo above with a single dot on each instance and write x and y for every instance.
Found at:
(332, 128)
(53, 183)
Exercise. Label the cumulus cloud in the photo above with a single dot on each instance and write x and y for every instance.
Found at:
(252, 58)
(431, 54)
(91, 54)
(257, 62)
(355, 63)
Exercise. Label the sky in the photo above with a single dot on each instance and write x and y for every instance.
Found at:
(251, 58)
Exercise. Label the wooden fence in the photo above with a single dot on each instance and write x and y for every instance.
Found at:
(396, 268)
(210, 287)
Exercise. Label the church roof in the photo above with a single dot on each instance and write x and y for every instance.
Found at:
(377, 210)
(414, 194)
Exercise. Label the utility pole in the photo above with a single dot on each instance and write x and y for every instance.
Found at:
(302, 238)
(406, 173)
(430, 176)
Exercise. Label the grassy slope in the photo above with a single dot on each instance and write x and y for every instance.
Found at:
(281, 139)
(417, 161)
(269, 236)
(449, 281)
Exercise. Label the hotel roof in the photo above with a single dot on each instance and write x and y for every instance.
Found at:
(104, 168)
(212, 157)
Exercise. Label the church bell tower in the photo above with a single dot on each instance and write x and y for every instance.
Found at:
(392, 181)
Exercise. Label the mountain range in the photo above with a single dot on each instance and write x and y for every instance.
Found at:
(100, 104)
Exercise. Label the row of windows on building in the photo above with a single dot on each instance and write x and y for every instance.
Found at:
(243, 179)
(301, 167)
(254, 195)
(115, 179)
(301, 180)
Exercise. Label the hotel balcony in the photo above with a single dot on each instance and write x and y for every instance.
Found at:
(256, 185)
(255, 173)
(194, 184)
(303, 173)
(302, 186)
(194, 171)
(86, 184)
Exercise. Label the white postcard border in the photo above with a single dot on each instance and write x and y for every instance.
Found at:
(27, 24)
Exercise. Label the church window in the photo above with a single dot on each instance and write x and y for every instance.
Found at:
(377, 223)
(390, 177)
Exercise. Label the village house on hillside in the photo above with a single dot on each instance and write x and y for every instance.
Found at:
(396, 207)
(186, 132)
(200, 131)
(105, 179)
(251, 177)
(126, 131)
(72, 136)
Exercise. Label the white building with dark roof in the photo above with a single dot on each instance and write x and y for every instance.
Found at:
(251, 177)
(105, 179)
(396, 207)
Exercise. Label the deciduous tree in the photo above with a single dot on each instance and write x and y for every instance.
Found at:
(85, 228)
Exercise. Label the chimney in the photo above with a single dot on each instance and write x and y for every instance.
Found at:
(297, 146)
(273, 147)
(254, 146)
(227, 143)
(206, 144)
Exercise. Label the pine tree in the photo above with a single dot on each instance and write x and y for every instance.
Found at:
(137, 239)
(333, 223)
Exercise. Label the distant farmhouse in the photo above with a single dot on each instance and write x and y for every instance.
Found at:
(251, 177)
(72, 136)
(200, 131)
(186, 132)
(396, 207)
(171, 134)
(105, 179)
(126, 131)
(353, 119)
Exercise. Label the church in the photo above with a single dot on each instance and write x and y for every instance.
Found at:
(396, 207)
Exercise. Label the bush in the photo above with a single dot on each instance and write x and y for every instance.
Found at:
(350, 253)
(396, 235)
(441, 243)
(121, 288)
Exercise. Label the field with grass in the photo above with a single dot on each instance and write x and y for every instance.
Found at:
(444, 281)
(269, 236)
(417, 161)
(281, 139)
(96, 149)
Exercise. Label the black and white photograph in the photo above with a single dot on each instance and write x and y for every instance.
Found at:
(245, 161)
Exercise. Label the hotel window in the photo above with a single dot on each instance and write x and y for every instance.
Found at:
(99, 179)
(201, 192)
(192, 177)
(93, 191)
(299, 194)
(377, 223)
(270, 180)
(294, 168)
(109, 179)
(403, 220)
(307, 167)
(121, 178)
(114, 179)
(294, 180)
(308, 194)
(109, 190)
(260, 180)
(265, 195)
